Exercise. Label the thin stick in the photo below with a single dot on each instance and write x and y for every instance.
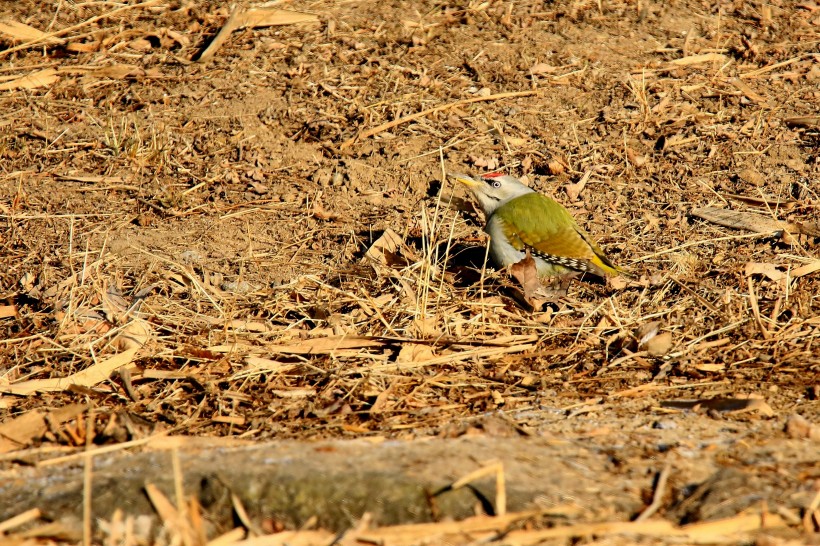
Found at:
(66, 30)
(410, 117)
(657, 498)
(97, 451)
(760, 71)
(234, 22)
(20, 519)
(179, 491)
(87, 506)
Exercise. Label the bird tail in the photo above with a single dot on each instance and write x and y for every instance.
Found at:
(603, 264)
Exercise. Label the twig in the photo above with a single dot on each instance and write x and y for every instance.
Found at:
(410, 117)
(234, 22)
(657, 498)
(760, 71)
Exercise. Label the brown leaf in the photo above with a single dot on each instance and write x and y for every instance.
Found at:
(320, 213)
(20, 431)
(253, 18)
(751, 176)
(385, 249)
(636, 159)
(770, 271)
(526, 273)
(327, 345)
(268, 17)
(574, 190)
(557, 165)
(700, 59)
(414, 352)
(658, 345)
(8, 311)
(41, 78)
(798, 426)
(543, 68)
(24, 33)
(750, 221)
(94, 374)
(490, 164)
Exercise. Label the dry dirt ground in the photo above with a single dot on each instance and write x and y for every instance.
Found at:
(257, 242)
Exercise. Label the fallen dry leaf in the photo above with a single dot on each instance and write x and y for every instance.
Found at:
(769, 271)
(41, 78)
(526, 273)
(8, 311)
(268, 17)
(385, 249)
(414, 352)
(574, 190)
(320, 213)
(24, 33)
(253, 18)
(636, 159)
(750, 221)
(658, 345)
(751, 176)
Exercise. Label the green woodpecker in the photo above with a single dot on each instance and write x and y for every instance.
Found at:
(519, 219)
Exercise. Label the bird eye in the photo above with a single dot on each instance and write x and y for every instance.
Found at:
(496, 184)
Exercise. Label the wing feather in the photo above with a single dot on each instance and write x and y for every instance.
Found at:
(542, 224)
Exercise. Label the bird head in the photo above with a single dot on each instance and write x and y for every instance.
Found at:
(493, 189)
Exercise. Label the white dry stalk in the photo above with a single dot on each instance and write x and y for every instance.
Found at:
(430, 226)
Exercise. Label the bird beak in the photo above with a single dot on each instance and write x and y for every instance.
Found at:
(464, 179)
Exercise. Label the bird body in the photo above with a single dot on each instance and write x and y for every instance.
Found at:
(521, 220)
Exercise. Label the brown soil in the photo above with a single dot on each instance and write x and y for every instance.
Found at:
(211, 221)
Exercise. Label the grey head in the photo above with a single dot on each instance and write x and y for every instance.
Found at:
(493, 189)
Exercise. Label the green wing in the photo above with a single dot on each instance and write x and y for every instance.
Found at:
(536, 221)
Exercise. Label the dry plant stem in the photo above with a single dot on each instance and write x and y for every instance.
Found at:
(243, 516)
(493, 469)
(179, 492)
(88, 460)
(98, 451)
(756, 310)
(20, 519)
(230, 25)
(775, 66)
(396, 122)
(812, 512)
(657, 498)
(65, 31)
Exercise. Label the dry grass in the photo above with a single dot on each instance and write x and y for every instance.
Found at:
(212, 221)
